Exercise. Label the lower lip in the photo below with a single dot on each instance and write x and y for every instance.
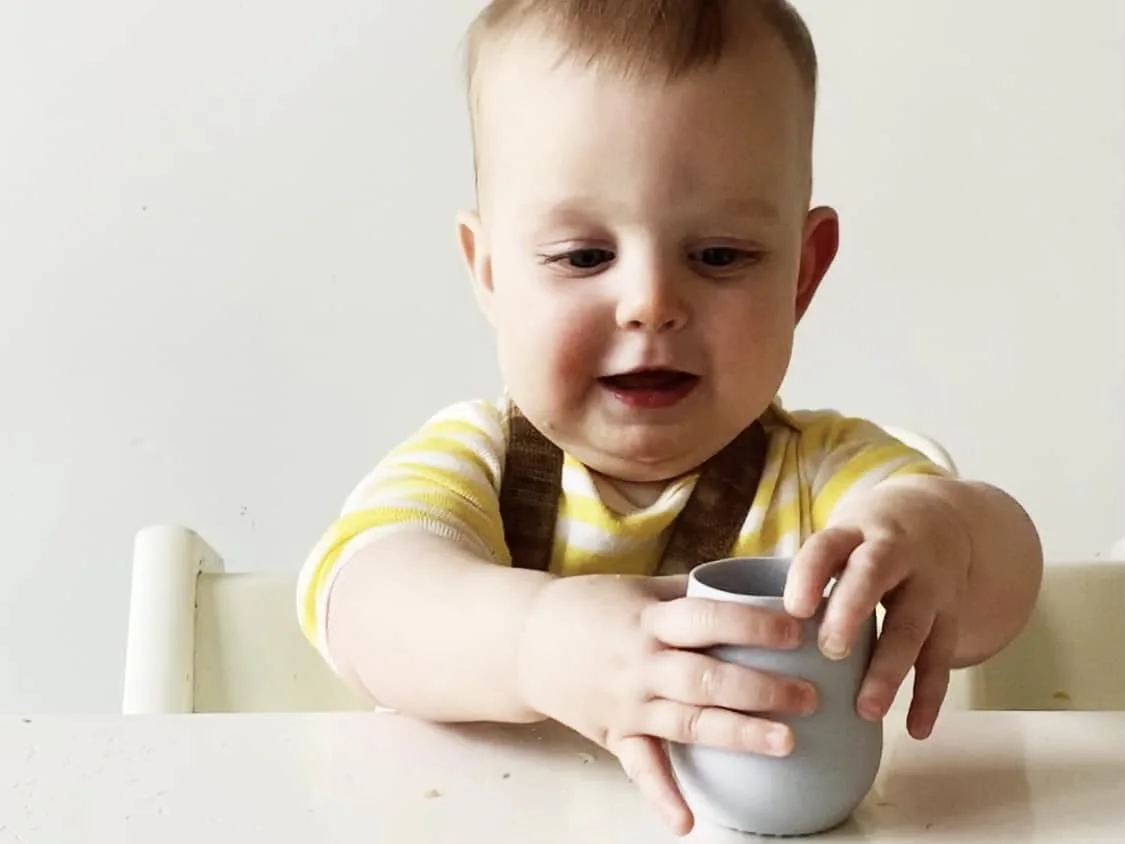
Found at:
(653, 399)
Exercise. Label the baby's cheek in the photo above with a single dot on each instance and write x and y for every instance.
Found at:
(576, 347)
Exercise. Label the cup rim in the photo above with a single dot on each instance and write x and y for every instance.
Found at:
(775, 564)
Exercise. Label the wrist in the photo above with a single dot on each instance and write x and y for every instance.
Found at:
(531, 647)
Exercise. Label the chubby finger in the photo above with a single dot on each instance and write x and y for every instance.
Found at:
(646, 764)
(931, 677)
(714, 727)
(819, 560)
(704, 681)
(873, 570)
(905, 631)
(704, 623)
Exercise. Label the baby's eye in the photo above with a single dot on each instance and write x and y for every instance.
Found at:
(588, 259)
(722, 257)
(585, 260)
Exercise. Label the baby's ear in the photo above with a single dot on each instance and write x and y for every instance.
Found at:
(822, 239)
(478, 261)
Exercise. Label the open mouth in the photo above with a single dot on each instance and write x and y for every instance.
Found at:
(650, 387)
(649, 379)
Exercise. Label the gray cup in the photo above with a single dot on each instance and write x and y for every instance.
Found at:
(836, 754)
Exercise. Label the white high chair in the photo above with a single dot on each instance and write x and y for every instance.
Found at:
(201, 640)
(204, 640)
(1117, 552)
(1071, 655)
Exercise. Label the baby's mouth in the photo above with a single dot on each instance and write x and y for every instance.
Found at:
(649, 380)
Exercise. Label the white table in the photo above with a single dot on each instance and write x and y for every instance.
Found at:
(384, 779)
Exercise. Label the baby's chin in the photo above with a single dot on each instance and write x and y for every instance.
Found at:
(638, 463)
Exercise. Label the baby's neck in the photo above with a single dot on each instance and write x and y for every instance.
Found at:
(624, 497)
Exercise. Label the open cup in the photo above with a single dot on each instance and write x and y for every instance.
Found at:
(836, 754)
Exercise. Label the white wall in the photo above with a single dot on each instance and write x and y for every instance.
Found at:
(223, 226)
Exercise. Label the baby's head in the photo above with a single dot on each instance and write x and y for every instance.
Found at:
(643, 243)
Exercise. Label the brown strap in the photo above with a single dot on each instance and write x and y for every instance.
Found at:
(706, 529)
(529, 493)
(708, 526)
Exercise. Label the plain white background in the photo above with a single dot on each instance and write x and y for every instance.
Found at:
(228, 280)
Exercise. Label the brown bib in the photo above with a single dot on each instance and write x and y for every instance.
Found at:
(706, 529)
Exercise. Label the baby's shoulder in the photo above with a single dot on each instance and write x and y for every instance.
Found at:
(822, 429)
(828, 445)
(484, 417)
(823, 439)
(471, 434)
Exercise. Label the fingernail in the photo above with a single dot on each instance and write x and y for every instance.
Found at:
(870, 709)
(793, 635)
(833, 647)
(808, 700)
(674, 817)
(780, 741)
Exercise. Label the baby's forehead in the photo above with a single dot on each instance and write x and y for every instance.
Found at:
(538, 105)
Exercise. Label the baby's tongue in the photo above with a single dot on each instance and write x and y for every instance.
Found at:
(655, 379)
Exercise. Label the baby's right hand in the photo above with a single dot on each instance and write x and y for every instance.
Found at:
(604, 655)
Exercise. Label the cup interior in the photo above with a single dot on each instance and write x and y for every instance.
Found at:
(750, 576)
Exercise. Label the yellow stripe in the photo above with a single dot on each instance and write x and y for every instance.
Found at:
(338, 535)
(435, 476)
(351, 525)
(779, 522)
(451, 429)
(443, 444)
(854, 469)
(920, 467)
(570, 561)
(456, 426)
(484, 524)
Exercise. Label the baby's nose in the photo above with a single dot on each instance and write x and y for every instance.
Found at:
(651, 303)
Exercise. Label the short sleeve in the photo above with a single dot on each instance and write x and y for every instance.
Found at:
(444, 479)
(841, 456)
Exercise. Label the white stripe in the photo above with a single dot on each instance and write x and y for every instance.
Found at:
(871, 478)
(588, 538)
(479, 413)
(577, 481)
(473, 441)
(440, 522)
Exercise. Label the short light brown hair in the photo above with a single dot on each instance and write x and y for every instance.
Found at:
(640, 37)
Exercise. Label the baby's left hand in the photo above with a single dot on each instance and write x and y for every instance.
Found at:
(911, 554)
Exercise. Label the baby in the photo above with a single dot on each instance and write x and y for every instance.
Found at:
(644, 249)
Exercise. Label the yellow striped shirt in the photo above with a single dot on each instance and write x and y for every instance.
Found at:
(446, 479)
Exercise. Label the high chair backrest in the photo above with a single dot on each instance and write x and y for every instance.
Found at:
(1117, 552)
(1071, 655)
(203, 640)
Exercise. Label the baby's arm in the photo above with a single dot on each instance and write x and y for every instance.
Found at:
(426, 626)
(408, 594)
(956, 564)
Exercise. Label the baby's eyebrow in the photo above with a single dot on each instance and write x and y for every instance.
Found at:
(751, 206)
(582, 210)
(573, 209)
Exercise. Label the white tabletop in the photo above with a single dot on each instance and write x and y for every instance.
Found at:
(384, 779)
